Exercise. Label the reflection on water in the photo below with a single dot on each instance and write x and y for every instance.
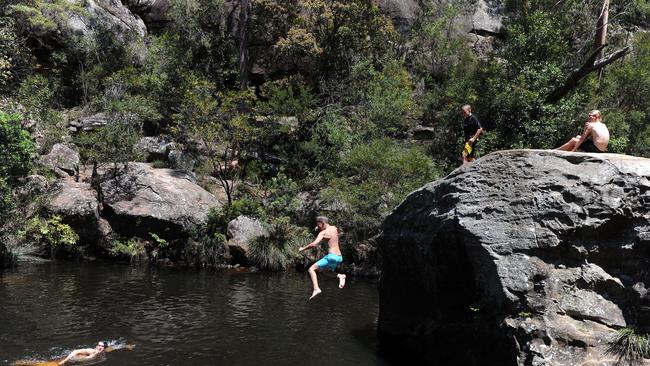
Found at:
(179, 317)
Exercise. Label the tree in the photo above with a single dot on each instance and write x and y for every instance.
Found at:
(16, 153)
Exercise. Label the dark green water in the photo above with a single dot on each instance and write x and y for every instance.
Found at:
(185, 317)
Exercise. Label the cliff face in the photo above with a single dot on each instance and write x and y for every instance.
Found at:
(521, 258)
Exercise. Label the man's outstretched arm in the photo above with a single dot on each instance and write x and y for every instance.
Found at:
(318, 239)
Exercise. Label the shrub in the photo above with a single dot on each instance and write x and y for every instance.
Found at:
(279, 249)
(51, 235)
(374, 178)
(207, 248)
(631, 346)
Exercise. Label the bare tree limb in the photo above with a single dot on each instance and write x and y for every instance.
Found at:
(588, 67)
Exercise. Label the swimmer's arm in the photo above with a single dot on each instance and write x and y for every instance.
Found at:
(75, 353)
(318, 239)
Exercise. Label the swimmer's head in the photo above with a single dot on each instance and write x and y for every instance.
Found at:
(101, 346)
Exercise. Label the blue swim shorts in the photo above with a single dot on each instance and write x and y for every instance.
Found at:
(330, 261)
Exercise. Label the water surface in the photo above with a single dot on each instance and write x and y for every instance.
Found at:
(181, 316)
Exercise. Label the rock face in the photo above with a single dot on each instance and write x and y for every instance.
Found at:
(484, 18)
(100, 17)
(63, 159)
(142, 199)
(76, 203)
(520, 258)
(241, 232)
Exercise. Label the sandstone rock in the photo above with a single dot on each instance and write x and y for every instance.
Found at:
(168, 202)
(241, 232)
(63, 159)
(76, 203)
(522, 257)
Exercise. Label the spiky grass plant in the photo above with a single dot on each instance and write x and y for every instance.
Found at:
(277, 250)
(630, 346)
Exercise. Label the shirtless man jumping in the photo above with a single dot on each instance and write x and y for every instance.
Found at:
(594, 138)
(332, 259)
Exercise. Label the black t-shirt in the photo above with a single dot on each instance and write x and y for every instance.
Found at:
(470, 125)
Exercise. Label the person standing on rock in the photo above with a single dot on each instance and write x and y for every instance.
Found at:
(472, 130)
(594, 138)
(333, 258)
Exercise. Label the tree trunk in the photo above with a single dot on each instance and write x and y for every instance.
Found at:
(601, 29)
(244, 19)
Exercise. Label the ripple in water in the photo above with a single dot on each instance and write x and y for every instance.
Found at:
(176, 317)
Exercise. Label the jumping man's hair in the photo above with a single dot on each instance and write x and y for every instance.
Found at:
(322, 219)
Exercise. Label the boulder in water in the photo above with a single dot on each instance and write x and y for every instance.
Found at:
(524, 257)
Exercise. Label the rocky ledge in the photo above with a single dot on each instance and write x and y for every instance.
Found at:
(524, 257)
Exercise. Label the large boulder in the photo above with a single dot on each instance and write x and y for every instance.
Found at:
(77, 204)
(98, 21)
(63, 159)
(484, 18)
(521, 258)
(242, 231)
(140, 199)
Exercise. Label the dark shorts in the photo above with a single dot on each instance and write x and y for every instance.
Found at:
(588, 146)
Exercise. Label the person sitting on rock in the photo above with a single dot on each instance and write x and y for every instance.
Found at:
(85, 354)
(332, 259)
(594, 138)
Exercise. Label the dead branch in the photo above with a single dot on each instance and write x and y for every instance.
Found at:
(588, 67)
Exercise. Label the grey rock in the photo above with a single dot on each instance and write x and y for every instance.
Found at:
(483, 18)
(63, 159)
(241, 232)
(154, 148)
(141, 199)
(77, 204)
(544, 246)
(181, 160)
(33, 185)
(89, 123)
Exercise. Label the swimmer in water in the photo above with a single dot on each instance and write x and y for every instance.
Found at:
(85, 354)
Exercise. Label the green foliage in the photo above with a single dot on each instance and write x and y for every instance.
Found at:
(631, 346)
(50, 234)
(330, 137)
(207, 248)
(205, 37)
(132, 248)
(281, 197)
(16, 148)
(286, 97)
(373, 179)
(626, 94)
(388, 98)
(279, 249)
(15, 59)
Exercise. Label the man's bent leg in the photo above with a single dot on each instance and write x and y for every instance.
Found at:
(314, 280)
(570, 144)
